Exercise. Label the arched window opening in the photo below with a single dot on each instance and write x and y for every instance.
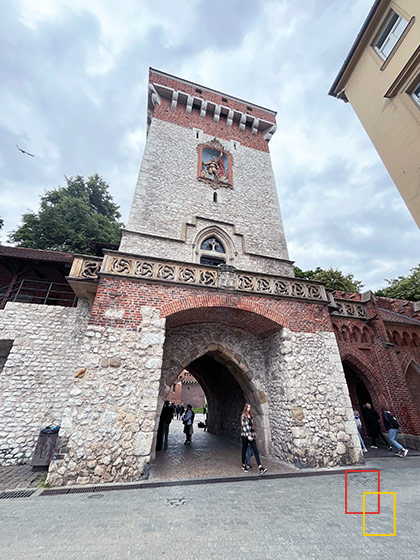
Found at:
(356, 335)
(412, 378)
(345, 333)
(397, 338)
(212, 252)
(215, 197)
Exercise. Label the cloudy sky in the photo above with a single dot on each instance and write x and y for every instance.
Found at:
(73, 85)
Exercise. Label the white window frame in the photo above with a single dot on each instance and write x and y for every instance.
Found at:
(387, 36)
(415, 94)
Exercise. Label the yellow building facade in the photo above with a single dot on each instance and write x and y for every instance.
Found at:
(380, 78)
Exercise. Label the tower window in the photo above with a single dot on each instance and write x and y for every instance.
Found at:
(215, 197)
(212, 252)
(212, 244)
(389, 34)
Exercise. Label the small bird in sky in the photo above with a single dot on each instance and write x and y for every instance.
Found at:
(24, 151)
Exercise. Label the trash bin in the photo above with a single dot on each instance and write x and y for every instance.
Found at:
(44, 449)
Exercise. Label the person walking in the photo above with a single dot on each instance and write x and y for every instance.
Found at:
(373, 427)
(166, 416)
(391, 424)
(248, 437)
(188, 420)
(359, 429)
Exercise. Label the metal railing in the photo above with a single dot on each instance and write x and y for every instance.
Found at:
(38, 291)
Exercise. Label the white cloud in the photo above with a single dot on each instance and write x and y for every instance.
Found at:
(73, 78)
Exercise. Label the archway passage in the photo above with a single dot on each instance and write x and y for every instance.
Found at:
(228, 361)
(224, 396)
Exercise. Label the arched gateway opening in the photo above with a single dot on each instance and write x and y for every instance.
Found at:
(361, 385)
(223, 349)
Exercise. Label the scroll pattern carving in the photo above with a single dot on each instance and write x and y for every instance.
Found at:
(90, 269)
(124, 265)
(163, 271)
(350, 309)
(279, 287)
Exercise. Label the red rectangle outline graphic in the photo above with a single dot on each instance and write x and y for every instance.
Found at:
(379, 486)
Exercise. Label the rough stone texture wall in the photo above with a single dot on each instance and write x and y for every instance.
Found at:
(110, 420)
(311, 416)
(38, 372)
(171, 206)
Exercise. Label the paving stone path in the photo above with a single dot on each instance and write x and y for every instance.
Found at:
(20, 476)
(259, 518)
(208, 456)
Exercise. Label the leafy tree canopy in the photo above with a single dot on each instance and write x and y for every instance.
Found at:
(403, 287)
(71, 217)
(331, 278)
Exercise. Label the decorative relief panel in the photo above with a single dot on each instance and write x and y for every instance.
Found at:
(86, 267)
(225, 277)
(214, 164)
(349, 309)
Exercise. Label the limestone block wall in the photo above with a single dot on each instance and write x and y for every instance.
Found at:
(169, 199)
(109, 423)
(38, 372)
(312, 422)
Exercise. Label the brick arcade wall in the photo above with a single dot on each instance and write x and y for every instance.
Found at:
(381, 367)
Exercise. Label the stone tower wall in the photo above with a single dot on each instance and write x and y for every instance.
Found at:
(172, 206)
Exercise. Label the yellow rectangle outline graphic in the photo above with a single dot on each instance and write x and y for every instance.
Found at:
(395, 516)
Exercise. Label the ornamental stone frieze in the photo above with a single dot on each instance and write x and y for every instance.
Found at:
(345, 308)
(85, 269)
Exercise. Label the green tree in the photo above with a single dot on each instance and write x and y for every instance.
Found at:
(71, 217)
(332, 279)
(403, 287)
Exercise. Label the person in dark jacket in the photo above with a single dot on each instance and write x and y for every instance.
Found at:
(391, 424)
(373, 427)
(166, 418)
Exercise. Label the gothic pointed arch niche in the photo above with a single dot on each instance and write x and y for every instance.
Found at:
(412, 379)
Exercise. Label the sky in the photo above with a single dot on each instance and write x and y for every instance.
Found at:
(73, 92)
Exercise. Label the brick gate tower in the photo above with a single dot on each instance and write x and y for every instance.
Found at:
(202, 281)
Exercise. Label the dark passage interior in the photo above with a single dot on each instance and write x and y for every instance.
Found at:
(224, 396)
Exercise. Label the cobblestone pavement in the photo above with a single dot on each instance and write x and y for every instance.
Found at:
(259, 518)
(20, 476)
(208, 456)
